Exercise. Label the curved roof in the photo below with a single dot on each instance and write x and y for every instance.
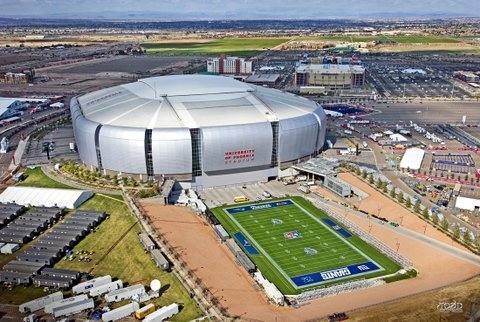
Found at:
(190, 101)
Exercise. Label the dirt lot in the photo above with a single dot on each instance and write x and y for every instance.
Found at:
(383, 206)
(215, 265)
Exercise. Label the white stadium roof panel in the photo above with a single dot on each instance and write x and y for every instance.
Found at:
(190, 101)
(45, 197)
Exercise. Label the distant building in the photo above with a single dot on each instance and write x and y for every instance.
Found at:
(229, 65)
(24, 77)
(11, 107)
(330, 76)
(263, 79)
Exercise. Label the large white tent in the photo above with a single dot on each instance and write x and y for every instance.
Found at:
(467, 203)
(412, 159)
(46, 197)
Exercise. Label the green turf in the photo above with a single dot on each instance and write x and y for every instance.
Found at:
(230, 46)
(36, 178)
(282, 258)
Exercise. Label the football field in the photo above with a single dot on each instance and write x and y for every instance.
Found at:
(297, 246)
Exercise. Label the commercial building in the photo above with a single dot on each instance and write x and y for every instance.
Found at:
(202, 130)
(229, 65)
(412, 159)
(45, 197)
(263, 79)
(330, 76)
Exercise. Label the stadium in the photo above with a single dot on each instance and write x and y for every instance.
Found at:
(206, 130)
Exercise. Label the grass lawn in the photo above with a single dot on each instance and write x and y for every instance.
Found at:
(36, 178)
(295, 245)
(117, 252)
(230, 46)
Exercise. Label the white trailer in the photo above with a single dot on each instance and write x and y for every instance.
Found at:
(162, 313)
(70, 300)
(9, 248)
(125, 293)
(86, 286)
(102, 289)
(120, 312)
(73, 308)
(40, 303)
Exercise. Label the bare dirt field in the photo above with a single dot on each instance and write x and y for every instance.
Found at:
(215, 266)
(380, 205)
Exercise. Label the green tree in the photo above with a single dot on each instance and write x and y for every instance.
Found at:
(400, 197)
(379, 183)
(444, 224)
(416, 207)
(384, 188)
(456, 232)
(370, 179)
(357, 171)
(476, 242)
(466, 237)
(393, 194)
(435, 219)
(364, 174)
(408, 202)
(425, 213)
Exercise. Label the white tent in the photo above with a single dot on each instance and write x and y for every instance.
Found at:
(398, 138)
(412, 159)
(467, 203)
(47, 197)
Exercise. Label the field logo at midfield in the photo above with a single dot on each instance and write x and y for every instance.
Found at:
(336, 273)
(273, 204)
(276, 221)
(294, 234)
(310, 251)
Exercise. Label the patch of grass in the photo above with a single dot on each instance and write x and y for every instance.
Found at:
(119, 253)
(36, 178)
(289, 256)
(230, 46)
(398, 277)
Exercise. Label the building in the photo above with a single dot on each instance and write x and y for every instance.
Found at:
(229, 65)
(26, 76)
(330, 76)
(202, 130)
(263, 79)
(11, 107)
(338, 186)
(412, 159)
(466, 76)
(45, 197)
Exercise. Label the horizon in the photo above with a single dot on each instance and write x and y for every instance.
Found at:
(231, 10)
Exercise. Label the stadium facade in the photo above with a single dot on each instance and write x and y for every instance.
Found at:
(207, 130)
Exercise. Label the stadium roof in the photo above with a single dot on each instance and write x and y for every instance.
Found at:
(190, 101)
(412, 159)
(330, 68)
(46, 197)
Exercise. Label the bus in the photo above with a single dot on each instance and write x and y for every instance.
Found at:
(240, 199)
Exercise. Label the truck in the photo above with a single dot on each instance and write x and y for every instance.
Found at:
(40, 303)
(105, 288)
(144, 311)
(120, 312)
(304, 189)
(86, 286)
(162, 313)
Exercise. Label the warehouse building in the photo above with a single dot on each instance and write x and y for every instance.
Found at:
(330, 76)
(169, 126)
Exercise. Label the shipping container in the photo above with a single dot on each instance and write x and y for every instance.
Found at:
(120, 312)
(73, 308)
(102, 289)
(40, 303)
(86, 286)
(162, 314)
(125, 293)
(144, 311)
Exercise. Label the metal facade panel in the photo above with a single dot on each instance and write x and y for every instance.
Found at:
(297, 137)
(84, 132)
(171, 151)
(122, 149)
(320, 113)
(231, 147)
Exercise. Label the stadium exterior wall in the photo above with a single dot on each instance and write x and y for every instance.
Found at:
(171, 151)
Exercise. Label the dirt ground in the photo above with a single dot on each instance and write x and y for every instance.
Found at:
(213, 263)
(380, 205)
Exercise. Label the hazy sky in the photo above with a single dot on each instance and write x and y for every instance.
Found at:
(236, 9)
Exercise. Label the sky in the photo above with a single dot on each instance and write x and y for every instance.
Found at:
(237, 9)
